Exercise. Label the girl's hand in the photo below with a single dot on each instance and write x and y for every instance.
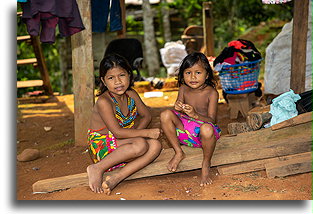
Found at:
(154, 133)
(178, 106)
(190, 111)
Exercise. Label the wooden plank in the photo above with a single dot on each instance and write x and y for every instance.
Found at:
(256, 165)
(42, 65)
(228, 150)
(301, 118)
(296, 165)
(29, 83)
(26, 61)
(158, 167)
(122, 33)
(23, 38)
(207, 16)
(298, 47)
(83, 75)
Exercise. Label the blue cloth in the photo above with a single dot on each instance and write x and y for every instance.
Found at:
(100, 10)
(284, 107)
(21, 0)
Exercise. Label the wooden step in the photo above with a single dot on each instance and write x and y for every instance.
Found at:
(26, 61)
(23, 38)
(29, 83)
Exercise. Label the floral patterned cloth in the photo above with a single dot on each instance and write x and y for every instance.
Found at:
(190, 136)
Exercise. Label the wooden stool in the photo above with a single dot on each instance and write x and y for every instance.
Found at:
(240, 103)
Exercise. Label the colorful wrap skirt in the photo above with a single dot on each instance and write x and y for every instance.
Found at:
(190, 136)
(100, 145)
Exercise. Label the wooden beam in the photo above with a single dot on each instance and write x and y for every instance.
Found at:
(299, 43)
(301, 118)
(83, 75)
(26, 61)
(291, 166)
(29, 83)
(122, 33)
(207, 16)
(260, 145)
(43, 69)
(257, 165)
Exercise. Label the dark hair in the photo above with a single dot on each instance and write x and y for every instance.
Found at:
(113, 61)
(192, 59)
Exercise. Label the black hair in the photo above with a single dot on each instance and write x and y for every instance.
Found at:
(192, 59)
(113, 61)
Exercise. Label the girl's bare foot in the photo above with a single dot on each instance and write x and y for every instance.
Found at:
(94, 178)
(109, 184)
(205, 179)
(174, 162)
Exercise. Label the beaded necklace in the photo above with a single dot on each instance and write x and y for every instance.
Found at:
(128, 120)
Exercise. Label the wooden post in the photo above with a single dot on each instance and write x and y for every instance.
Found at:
(83, 75)
(42, 65)
(298, 48)
(122, 33)
(208, 38)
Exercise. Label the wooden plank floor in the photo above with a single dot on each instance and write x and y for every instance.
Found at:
(256, 145)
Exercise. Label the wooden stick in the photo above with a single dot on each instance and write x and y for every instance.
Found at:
(301, 118)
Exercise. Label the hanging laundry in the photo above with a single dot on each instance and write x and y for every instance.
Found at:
(42, 17)
(275, 1)
(100, 10)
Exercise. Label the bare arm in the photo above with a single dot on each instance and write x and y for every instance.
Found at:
(142, 109)
(107, 114)
(180, 99)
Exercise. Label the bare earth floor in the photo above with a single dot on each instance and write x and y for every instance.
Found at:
(59, 157)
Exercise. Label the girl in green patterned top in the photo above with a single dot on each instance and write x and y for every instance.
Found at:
(115, 139)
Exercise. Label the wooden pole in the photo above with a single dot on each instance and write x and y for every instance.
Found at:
(208, 28)
(122, 33)
(83, 75)
(42, 65)
(298, 47)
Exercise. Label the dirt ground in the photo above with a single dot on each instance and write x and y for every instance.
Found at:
(60, 157)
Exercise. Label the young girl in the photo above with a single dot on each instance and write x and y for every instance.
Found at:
(192, 123)
(114, 139)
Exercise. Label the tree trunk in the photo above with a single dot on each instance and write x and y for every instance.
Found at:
(151, 51)
(166, 21)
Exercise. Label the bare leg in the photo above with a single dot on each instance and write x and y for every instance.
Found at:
(127, 149)
(169, 123)
(208, 145)
(154, 149)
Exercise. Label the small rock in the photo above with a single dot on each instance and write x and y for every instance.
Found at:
(35, 168)
(47, 128)
(118, 193)
(28, 155)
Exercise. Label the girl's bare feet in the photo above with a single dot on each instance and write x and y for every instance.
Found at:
(205, 179)
(174, 162)
(109, 184)
(94, 178)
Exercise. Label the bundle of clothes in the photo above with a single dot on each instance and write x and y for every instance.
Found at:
(237, 52)
(42, 17)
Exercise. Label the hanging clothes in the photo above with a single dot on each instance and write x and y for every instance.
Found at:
(275, 1)
(100, 10)
(42, 17)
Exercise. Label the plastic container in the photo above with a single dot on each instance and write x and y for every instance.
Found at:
(240, 78)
